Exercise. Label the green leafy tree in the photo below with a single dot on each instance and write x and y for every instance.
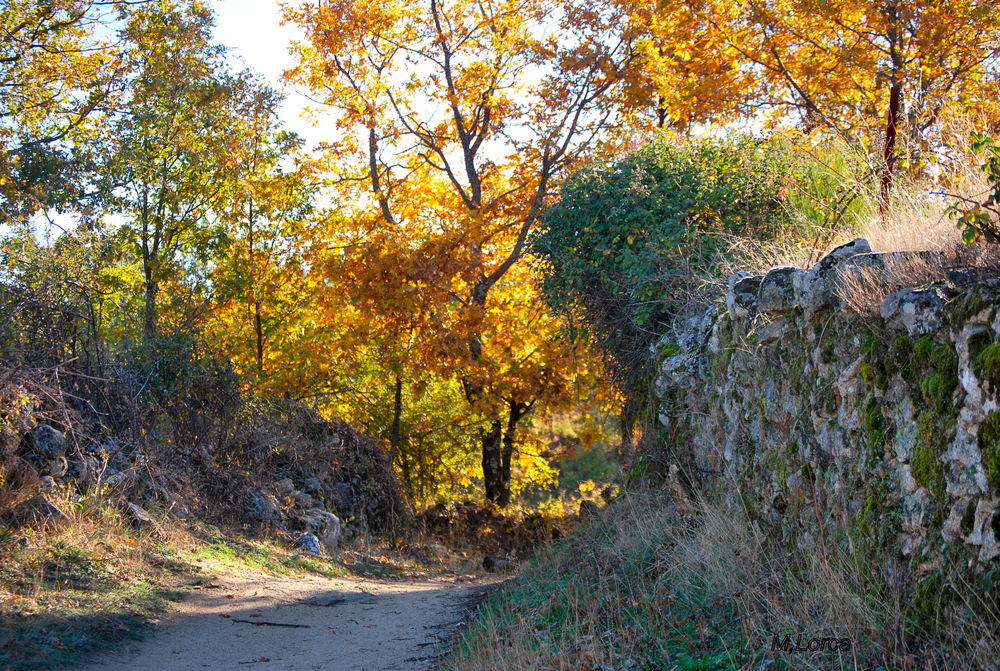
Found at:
(628, 241)
(178, 143)
(979, 217)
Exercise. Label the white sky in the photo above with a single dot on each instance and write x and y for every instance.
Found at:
(252, 28)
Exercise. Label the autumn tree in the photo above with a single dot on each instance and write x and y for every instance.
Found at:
(875, 73)
(259, 277)
(455, 120)
(176, 141)
(58, 75)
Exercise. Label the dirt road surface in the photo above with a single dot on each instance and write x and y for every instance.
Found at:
(253, 621)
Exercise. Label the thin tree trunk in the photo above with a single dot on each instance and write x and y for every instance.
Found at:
(889, 150)
(517, 411)
(395, 436)
(259, 333)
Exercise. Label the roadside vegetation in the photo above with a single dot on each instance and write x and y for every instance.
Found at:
(700, 587)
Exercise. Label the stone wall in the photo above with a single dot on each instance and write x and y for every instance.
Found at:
(878, 429)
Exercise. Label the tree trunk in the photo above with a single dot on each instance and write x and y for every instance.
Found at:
(395, 437)
(150, 291)
(493, 465)
(889, 150)
(498, 450)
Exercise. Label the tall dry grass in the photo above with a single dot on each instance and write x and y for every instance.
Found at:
(647, 588)
(839, 201)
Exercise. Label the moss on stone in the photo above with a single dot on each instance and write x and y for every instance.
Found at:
(875, 428)
(976, 343)
(669, 349)
(873, 531)
(873, 367)
(932, 386)
(938, 390)
(971, 304)
(934, 372)
(781, 472)
(807, 473)
(793, 447)
(899, 358)
(933, 433)
(988, 437)
(987, 365)
(868, 371)
(944, 362)
(935, 357)
(922, 349)
(827, 343)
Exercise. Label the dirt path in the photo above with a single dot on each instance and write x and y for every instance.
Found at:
(240, 621)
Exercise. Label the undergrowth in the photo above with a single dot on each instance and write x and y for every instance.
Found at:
(644, 588)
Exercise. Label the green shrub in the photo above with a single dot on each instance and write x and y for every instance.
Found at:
(629, 241)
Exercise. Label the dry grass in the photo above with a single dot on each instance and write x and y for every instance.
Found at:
(79, 585)
(917, 218)
(864, 289)
(645, 589)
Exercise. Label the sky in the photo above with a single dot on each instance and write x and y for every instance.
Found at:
(253, 30)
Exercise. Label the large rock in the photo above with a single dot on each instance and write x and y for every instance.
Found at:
(49, 442)
(342, 497)
(683, 355)
(782, 289)
(264, 507)
(916, 310)
(327, 526)
(309, 544)
(141, 516)
(841, 253)
(40, 511)
(741, 294)
(312, 485)
(303, 500)
(284, 487)
(83, 470)
(58, 467)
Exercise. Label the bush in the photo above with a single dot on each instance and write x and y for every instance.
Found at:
(630, 241)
